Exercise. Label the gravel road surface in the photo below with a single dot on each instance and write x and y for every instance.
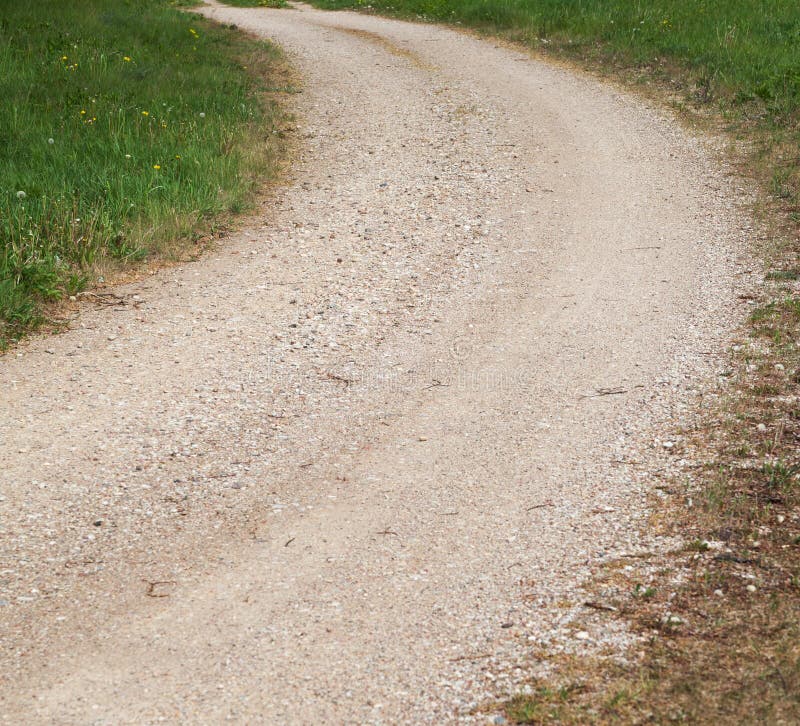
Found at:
(353, 466)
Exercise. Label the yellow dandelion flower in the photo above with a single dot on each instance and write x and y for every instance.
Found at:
(145, 113)
(83, 113)
(156, 166)
(126, 58)
(177, 156)
(63, 57)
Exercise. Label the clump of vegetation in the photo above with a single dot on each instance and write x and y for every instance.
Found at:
(127, 125)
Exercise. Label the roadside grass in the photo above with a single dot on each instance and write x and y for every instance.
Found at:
(130, 129)
(718, 619)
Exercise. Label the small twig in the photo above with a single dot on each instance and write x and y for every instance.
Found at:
(727, 557)
(548, 503)
(635, 555)
(340, 379)
(471, 657)
(778, 671)
(99, 295)
(600, 606)
(289, 541)
(104, 298)
(646, 247)
(778, 436)
(151, 587)
(605, 392)
(435, 384)
(448, 514)
(388, 531)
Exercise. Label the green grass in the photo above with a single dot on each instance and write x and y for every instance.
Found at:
(542, 705)
(125, 125)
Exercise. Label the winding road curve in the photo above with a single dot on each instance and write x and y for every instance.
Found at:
(353, 466)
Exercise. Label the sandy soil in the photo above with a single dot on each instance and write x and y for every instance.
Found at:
(352, 467)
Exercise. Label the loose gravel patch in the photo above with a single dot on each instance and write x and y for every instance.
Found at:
(355, 466)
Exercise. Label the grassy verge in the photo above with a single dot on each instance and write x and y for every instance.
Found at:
(720, 617)
(129, 127)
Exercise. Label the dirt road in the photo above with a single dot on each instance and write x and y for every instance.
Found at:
(352, 467)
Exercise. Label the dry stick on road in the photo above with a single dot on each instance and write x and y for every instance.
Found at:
(154, 585)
